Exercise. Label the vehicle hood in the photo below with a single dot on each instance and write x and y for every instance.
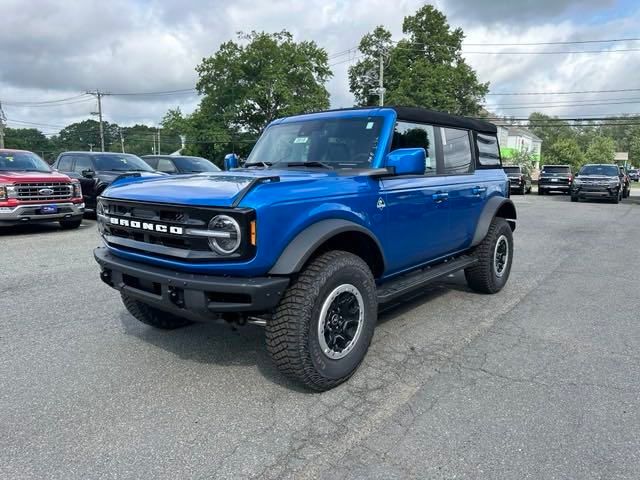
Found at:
(108, 176)
(220, 189)
(33, 177)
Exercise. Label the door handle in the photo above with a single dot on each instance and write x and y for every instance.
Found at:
(440, 197)
(479, 190)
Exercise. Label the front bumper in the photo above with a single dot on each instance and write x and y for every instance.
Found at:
(30, 213)
(194, 296)
(595, 192)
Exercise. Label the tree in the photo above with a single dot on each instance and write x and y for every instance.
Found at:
(601, 150)
(523, 157)
(634, 146)
(550, 130)
(28, 139)
(246, 86)
(564, 151)
(424, 69)
(80, 135)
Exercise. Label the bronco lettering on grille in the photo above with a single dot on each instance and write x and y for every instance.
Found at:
(153, 227)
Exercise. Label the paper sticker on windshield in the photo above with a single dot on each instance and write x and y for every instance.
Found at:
(301, 140)
(369, 125)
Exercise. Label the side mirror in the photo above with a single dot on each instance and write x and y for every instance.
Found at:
(407, 161)
(88, 173)
(231, 161)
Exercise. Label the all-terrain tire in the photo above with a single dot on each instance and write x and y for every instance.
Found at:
(70, 224)
(152, 316)
(293, 334)
(483, 276)
(618, 198)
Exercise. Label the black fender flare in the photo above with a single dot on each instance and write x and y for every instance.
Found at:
(296, 254)
(492, 207)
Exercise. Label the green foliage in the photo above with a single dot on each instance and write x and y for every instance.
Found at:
(634, 146)
(246, 86)
(564, 151)
(550, 130)
(524, 158)
(601, 150)
(424, 69)
(28, 139)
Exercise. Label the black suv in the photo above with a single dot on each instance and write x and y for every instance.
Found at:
(555, 178)
(519, 179)
(179, 164)
(97, 170)
(598, 181)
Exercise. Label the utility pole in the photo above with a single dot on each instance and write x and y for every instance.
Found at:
(159, 141)
(121, 139)
(381, 79)
(98, 94)
(154, 144)
(3, 118)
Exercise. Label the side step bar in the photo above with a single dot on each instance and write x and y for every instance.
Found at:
(412, 281)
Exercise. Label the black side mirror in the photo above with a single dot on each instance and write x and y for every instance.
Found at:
(88, 173)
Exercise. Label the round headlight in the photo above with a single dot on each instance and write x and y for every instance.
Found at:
(228, 235)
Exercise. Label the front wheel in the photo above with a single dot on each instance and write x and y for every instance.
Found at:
(322, 327)
(495, 255)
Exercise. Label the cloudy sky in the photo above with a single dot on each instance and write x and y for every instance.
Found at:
(53, 50)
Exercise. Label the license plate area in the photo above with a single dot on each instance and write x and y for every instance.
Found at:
(48, 209)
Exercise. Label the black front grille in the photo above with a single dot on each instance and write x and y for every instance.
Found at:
(166, 244)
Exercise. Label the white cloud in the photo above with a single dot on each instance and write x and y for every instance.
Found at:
(52, 49)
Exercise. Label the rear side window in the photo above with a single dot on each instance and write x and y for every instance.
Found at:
(152, 162)
(165, 165)
(417, 135)
(456, 149)
(64, 165)
(488, 152)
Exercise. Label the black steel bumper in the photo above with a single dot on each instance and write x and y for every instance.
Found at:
(595, 192)
(194, 296)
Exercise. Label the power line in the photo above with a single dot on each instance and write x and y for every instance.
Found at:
(566, 93)
(44, 102)
(552, 43)
(165, 92)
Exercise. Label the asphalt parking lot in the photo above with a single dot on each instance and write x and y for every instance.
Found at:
(539, 381)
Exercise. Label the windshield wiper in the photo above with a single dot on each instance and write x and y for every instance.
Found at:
(257, 164)
(308, 164)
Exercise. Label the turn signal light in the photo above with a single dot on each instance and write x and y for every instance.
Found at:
(252, 235)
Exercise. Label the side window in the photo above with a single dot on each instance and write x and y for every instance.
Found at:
(82, 163)
(416, 135)
(165, 165)
(64, 165)
(152, 162)
(488, 152)
(456, 150)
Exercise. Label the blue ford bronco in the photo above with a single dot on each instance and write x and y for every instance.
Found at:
(332, 214)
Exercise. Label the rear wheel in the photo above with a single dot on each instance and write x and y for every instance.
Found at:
(495, 255)
(152, 316)
(574, 198)
(70, 224)
(540, 191)
(323, 326)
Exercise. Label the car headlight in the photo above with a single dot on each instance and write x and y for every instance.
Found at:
(3, 192)
(225, 235)
(577, 181)
(614, 184)
(77, 189)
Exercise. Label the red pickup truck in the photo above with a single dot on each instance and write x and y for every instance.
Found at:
(30, 192)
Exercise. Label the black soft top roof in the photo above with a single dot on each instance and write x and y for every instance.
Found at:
(422, 115)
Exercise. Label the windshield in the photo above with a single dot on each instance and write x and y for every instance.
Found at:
(602, 170)
(121, 162)
(194, 164)
(335, 142)
(22, 162)
(555, 169)
(511, 169)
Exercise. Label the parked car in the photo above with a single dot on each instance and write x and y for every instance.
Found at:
(634, 174)
(96, 170)
(555, 178)
(519, 179)
(31, 192)
(626, 182)
(337, 212)
(598, 181)
(179, 164)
